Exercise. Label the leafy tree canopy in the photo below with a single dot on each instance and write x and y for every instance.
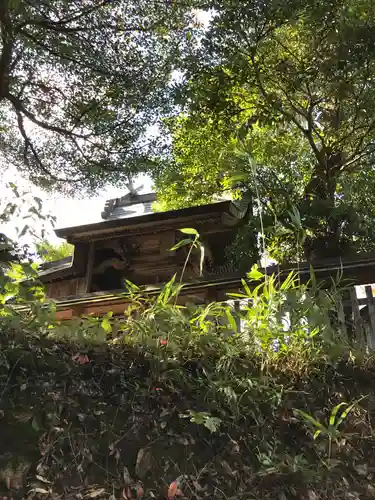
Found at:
(80, 82)
(49, 252)
(281, 94)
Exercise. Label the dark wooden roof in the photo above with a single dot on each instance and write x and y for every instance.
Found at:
(54, 264)
(230, 213)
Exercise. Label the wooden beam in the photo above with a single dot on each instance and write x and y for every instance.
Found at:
(90, 266)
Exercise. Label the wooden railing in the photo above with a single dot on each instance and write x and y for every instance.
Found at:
(352, 318)
(356, 317)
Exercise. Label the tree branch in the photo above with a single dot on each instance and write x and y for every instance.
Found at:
(29, 146)
(306, 132)
(77, 29)
(8, 43)
(60, 26)
(18, 106)
(360, 156)
(74, 17)
(65, 57)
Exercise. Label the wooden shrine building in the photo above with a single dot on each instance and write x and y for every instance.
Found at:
(133, 243)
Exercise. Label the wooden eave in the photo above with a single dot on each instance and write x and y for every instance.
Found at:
(142, 224)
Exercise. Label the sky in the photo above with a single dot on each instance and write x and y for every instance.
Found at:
(68, 211)
(72, 212)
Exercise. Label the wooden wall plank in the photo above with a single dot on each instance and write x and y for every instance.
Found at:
(90, 267)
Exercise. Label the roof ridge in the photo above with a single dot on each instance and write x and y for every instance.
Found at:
(126, 201)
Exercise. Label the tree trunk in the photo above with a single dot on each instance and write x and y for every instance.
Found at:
(319, 211)
(7, 47)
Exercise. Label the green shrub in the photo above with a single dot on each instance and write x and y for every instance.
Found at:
(177, 401)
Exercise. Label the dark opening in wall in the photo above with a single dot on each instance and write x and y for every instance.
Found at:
(108, 271)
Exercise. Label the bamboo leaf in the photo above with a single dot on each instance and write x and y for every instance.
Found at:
(238, 295)
(334, 411)
(106, 325)
(231, 320)
(317, 433)
(246, 288)
(346, 412)
(201, 261)
(255, 274)
(181, 243)
(288, 282)
(189, 230)
(309, 418)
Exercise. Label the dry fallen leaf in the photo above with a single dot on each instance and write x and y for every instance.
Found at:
(43, 479)
(41, 491)
(143, 463)
(126, 493)
(127, 479)
(94, 493)
(174, 490)
(80, 359)
(137, 490)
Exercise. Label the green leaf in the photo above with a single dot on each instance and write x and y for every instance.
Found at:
(34, 425)
(189, 230)
(132, 288)
(255, 274)
(295, 218)
(231, 320)
(246, 288)
(288, 282)
(212, 423)
(316, 434)
(346, 412)
(106, 325)
(181, 243)
(309, 418)
(168, 291)
(312, 279)
(334, 411)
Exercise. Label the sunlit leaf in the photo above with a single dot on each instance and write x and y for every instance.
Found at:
(212, 423)
(346, 412)
(189, 230)
(334, 411)
(201, 260)
(231, 320)
(106, 325)
(317, 433)
(255, 274)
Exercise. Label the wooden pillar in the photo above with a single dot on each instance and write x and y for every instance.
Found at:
(359, 333)
(90, 266)
(371, 311)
